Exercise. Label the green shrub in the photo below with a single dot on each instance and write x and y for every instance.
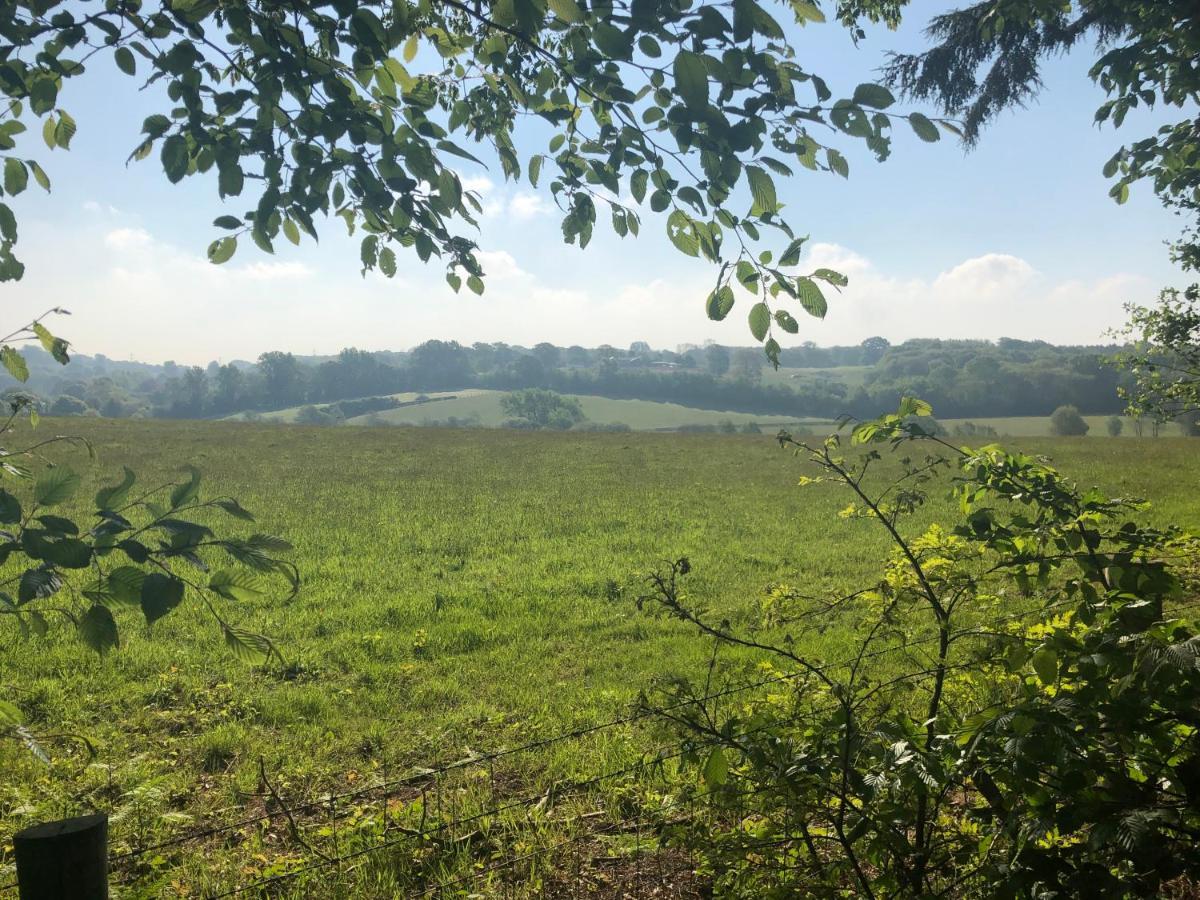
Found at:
(1025, 725)
(1067, 422)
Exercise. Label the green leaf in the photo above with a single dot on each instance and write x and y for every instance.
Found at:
(55, 486)
(15, 363)
(48, 127)
(791, 256)
(37, 583)
(10, 714)
(186, 492)
(174, 158)
(159, 595)
(716, 768)
(237, 586)
(763, 190)
(567, 10)
(924, 128)
(829, 276)
(10, 508)
(40, 176)
(114, 496)
(387, 261)
(691, 79)
(811, 298)
(411, 46)
(1045, 663)
(682, 232)
(235, 509)
(248, 646)
(760, 321)
(873, 95)
(70, 553)
(125, 583)
(55, 346)
(125, 61)
(720, 302)
(913, 406)
(787, 321)
(229, 223)
(98, 629)
(222, 250)
(16, 176)
(291, 231)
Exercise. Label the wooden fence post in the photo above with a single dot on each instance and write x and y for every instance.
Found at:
(64, 860)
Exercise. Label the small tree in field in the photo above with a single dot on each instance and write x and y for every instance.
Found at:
(538, 408)
(1067, 422)
(1115, 425)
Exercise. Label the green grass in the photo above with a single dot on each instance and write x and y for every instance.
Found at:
(1039, 426)
(483, 408)
(464, 590)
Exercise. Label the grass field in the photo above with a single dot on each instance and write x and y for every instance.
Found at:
(1039, 426)
(483, 408)
(464, 590)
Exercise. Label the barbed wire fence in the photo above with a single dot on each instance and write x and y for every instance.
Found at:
(430, 790)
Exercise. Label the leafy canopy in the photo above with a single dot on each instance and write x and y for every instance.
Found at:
(299, 111)
(986, 58)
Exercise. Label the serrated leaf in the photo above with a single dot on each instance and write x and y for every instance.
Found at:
(174, 157)
(222, 250)
(924, 128)
(716, 768)
(762, 188)
(125, 61)
(37, 583)
(10, 714)
(291, 231)
(837, 279)
(124, 585)
(238, 586)
(387, 261)
(55, 486)
(186, 492)
(567, 10)
(16, 176)
(159, 595)
(720, 302)
(787, 321)
(248, 646)
(98, 629)
(235, 509)
(791, 256)
(811, 298)
(15, 363)
(874, 95)
(114, 496)
(760, 321)
(1045, 664)
(10, 508)
(691, 79)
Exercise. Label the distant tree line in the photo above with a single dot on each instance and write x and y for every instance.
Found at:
(960, 378)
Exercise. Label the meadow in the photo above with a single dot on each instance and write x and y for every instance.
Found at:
(482, 408)
(463, 591)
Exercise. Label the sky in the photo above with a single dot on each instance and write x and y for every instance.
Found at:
(1016, 238)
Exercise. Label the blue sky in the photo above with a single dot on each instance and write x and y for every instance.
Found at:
(1016, 238)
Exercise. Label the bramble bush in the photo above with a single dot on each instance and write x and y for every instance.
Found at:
(1019, 716)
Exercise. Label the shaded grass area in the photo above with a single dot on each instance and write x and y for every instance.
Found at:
(463, 591)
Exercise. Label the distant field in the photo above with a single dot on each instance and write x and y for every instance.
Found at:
(483, 408)
(464, 590)
(1039, 426)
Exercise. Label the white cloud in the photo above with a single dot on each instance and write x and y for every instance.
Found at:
(525, 205)
(480, 184)
(499, 265)
(127, 239)
(272, 271)
(988, 296)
